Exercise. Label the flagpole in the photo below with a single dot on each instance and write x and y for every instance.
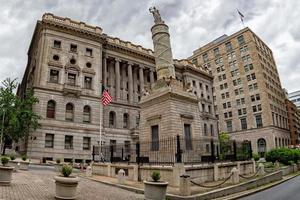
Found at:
(100, 124)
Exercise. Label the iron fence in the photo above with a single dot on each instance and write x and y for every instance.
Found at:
(176, 149)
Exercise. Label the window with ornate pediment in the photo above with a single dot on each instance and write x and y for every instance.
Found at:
(54, 74)
(71, 79)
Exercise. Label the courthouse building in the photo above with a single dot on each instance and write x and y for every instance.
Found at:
(248, 96)
(67, 60)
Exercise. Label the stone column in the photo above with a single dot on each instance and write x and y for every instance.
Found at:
(110, 75)
(130, 82)
(135, 85)
(141, 74)
(117, 76)
(104, 71)
(185, 185)
(151, 77)
(123, 82)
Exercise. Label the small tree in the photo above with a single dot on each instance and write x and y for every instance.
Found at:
(16, 113)
(224, 144)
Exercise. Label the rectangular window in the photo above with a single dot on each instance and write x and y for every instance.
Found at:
(54, 76)
(88, 52)
(228, 46)
(212, 132)
(86, 143)
(155, 138)
(71, 79)
(258, 120)
(188, 137)
(127, 146)
(57, 44)
(49, 140)
(205, 57)
(217, 52)
(229, 126)
(68, 142)
(73, 48)
(113, 143)
(244, 123)
(87, 82)
(241, 40)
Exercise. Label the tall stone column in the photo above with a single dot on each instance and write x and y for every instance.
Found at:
(104, 71)
(162, 48)
(123, 81)
(130, 82)
(117, 76)
(135, 85)
(151, 76)
(110, 75)
(141, 75)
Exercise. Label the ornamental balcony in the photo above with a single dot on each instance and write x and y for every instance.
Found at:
(73, 90)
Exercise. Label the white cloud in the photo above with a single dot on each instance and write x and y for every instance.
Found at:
(192, 23)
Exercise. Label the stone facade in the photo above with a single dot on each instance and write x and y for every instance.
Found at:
(67, 60)
(247, 90)
(294, 121)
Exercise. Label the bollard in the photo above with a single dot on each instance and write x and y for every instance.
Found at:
(121, 176)
(235, 176)
(261, 169)
(216, 172)
(185, 185)
(88, 171)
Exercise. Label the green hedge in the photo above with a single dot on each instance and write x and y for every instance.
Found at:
(283, 155)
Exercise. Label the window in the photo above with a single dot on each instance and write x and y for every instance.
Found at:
(87, 82)
(212, 132)
(53, 76)
(68, 142)
(206, 148)
(262, 146)
(155, 138)
(188, 137)
(244, 123)
(244, 49)
(237, 82)
(205, 57)
(127, 146)
(112, 119)
(51, 109)
(234, 73)
(125, 120)
(71, 79)
(241, 40)
(87, 114)
(217, 52)
(229, 126)
(248, 67)
(73, 61)
(228, 46)
(88, 65)
(113, 144)
(89, 52)
(231, 56)
(69, 112)
(56, 57)
(73, 48)
(86, 143)
(57, 44)
(205, 129)
(258, 120)
(49, 140)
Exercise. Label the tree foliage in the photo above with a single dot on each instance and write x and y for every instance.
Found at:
(17, 113)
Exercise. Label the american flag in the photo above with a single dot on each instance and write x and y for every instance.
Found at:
(241, 15)
(106, 98)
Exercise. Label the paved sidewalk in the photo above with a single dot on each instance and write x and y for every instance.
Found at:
(39, 185)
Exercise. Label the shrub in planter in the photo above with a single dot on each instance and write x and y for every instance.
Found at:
(57, 161)
(12, 157)
(66, 184)
(5, 171)
(255, 156)
(24, 157)
(155, 189)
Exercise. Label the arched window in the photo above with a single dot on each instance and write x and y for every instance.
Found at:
(205, 129)
(87, 114)
(51, 109)
(112, 119)
(261, 146)
(125, 120)
(69, 112)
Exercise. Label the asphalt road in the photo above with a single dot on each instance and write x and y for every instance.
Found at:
(289, 190)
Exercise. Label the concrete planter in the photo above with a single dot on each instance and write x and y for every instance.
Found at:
(14, 164)
(155, 190)
(5, 175)
(24, 165)
(66, 187)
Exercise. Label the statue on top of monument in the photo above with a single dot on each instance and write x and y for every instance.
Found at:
(156, 15)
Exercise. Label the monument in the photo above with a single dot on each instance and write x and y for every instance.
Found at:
(169, 108)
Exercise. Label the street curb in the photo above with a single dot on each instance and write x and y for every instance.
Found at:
(260, 189)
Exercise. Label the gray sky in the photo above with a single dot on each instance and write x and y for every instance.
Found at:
(192, 23)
